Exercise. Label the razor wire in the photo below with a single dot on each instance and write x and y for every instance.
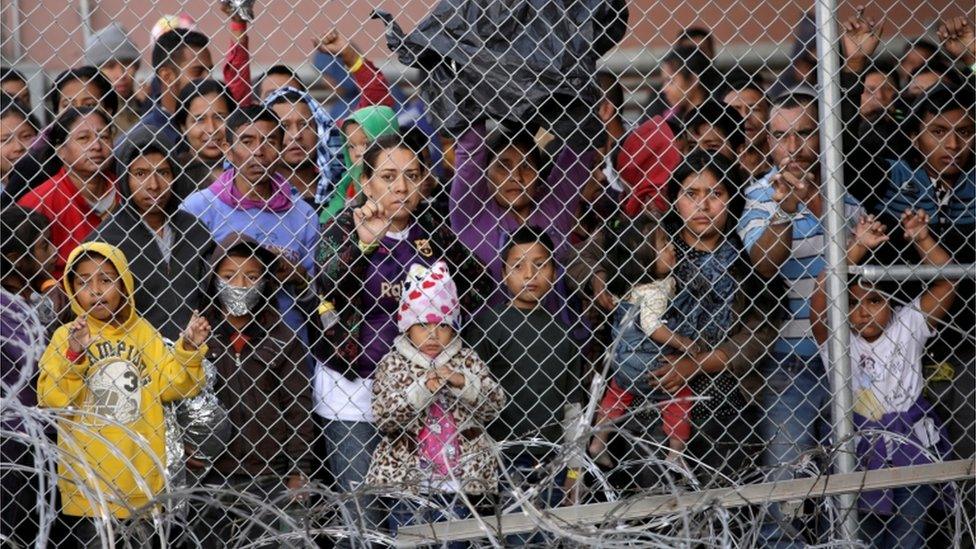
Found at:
(528, 273)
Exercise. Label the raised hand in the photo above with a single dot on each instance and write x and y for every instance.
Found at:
(229, 10)
(860, 38)
(915, 225)
(789, 190)
(372, 223)
(959, 39)
(332, 43)
(870, 233)
(79, 336)
(196, 333)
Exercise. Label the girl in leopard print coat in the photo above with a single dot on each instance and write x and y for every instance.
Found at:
(432, 398)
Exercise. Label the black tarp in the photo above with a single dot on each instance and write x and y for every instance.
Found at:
(510, 59)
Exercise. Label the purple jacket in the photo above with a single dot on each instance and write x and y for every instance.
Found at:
(365, 288)
(918, 424)
(480, 222)
(381, 295)
(19, 330)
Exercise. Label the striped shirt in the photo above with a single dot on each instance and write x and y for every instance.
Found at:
(801, 268)
(913, 189)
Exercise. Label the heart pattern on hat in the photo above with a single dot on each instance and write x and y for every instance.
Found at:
(430, 297)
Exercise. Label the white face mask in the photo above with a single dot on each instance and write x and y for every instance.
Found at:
(239, 300)
(613, 179)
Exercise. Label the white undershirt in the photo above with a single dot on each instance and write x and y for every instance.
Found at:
(339, 398)
(336, 397)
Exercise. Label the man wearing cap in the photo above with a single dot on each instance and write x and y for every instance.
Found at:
(118, 58)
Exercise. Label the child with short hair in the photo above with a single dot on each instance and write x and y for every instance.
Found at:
(432, 397)
(886, 350)
(532, 354)
(645, 261)
(116, 371)
(530, 350)
(261, 382)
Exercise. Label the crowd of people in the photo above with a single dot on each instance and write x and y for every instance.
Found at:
(356, 299)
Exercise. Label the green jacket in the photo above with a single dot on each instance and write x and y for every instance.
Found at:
(376, 121)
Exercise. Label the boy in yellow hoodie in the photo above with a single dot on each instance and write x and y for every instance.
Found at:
(114, 369)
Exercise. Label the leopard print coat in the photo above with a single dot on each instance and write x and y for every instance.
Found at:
(400, 403)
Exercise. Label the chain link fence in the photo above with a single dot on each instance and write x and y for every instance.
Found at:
(473, 273)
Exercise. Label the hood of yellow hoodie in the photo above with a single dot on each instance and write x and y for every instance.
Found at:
(121, 264)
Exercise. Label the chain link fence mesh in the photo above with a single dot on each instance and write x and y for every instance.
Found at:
(470, 273)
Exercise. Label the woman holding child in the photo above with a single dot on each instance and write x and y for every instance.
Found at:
(719, 303)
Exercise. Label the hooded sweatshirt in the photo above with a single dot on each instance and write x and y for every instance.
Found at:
(281, 223)
(376, 121)
(115, 440)
(484, 226)
(20, 334)
(167, 286)
(328, 150)
(645, 161)
(261, 381)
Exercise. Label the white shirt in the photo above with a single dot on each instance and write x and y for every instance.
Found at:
(888, 371)
(336, 397)
(339, 398)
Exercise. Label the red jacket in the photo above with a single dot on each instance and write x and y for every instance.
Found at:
(645, 161)
(72, 217)
(237, 71)
(373, 87)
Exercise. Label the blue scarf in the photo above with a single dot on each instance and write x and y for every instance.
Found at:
(329, 148)
(703, 308)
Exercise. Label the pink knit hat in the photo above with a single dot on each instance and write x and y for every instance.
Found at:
(429, 297)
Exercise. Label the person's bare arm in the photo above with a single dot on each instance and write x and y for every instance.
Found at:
(775, 244)
(938, 297)
(818, 311)
(772, 249)
(665, 336)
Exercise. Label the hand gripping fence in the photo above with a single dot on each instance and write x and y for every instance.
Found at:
(467, 273)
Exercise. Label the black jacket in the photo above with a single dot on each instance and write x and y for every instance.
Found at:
(265, 387)
(167, 292)
(32, 169)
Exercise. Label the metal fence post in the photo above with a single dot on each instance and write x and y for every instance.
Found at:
(832, 177)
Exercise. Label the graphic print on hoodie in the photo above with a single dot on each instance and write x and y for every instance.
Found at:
(124, 376)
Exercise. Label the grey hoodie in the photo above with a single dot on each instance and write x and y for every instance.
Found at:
(167, 292)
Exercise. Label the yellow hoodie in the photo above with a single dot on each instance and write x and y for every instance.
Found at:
(118, 388)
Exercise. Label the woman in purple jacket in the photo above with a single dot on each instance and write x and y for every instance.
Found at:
(364, 256)
(497, 190)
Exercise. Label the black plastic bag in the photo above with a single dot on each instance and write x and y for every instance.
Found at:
(509, 59)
